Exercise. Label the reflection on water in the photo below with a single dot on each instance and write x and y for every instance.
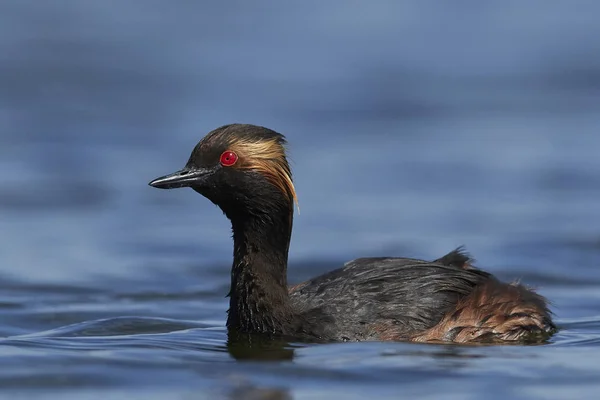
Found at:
(413, 128)
(258, 348)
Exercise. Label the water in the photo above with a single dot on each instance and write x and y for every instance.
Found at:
(414, 127)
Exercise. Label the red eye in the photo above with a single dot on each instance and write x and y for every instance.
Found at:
(228, 158)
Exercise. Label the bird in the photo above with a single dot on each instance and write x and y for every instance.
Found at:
(243, 169)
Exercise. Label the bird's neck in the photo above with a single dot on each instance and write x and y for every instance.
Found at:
(259, 300)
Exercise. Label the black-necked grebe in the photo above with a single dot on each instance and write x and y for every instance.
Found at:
(243, 169)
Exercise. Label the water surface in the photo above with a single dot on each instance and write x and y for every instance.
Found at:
(414, 128)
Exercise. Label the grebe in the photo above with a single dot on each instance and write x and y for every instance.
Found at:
(243, 169)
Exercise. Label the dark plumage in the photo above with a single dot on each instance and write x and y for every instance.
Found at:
(243, 169)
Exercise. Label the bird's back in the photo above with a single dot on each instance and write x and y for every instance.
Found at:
(398, 298)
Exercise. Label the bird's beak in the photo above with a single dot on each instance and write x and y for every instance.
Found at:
(184, 178)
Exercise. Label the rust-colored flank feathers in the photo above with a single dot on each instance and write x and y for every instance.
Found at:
(493, 312)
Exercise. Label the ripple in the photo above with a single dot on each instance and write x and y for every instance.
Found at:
(119, 326)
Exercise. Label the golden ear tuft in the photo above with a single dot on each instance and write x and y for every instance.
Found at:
(267, 157)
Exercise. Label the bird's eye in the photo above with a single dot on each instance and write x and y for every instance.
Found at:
(228, 158)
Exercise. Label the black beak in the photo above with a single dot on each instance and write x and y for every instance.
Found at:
(184, 178)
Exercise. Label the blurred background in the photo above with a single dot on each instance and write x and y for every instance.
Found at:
(414, 127)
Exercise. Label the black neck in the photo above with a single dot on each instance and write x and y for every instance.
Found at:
(259, 300)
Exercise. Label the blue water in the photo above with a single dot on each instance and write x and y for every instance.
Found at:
(414, 127)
